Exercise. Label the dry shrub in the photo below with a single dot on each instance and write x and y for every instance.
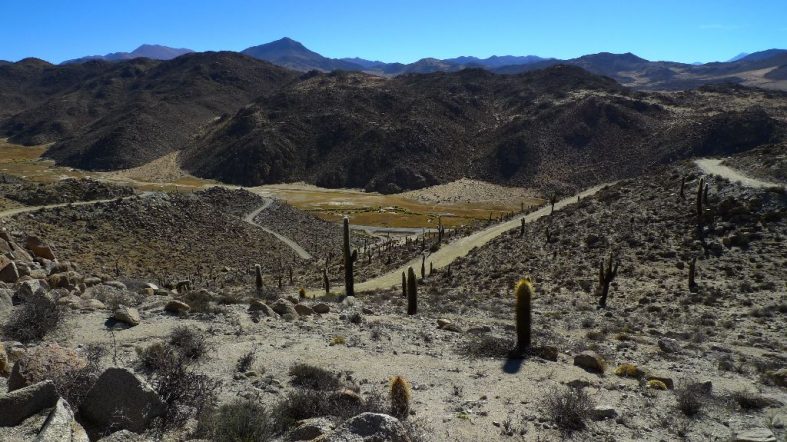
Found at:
(569, 408)
(314, 378)
(190, 343)
(33, 320)
(487, 346)
(691, 397)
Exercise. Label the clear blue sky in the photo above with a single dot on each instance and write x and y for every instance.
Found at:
(394, 30)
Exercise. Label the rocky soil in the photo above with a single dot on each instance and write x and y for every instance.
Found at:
(64, 191)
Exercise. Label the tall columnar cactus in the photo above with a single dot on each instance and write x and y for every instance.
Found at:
(258, 280)
(412, 292)
(700, 188)
(605, 277)
(693, 274)
(522, 228)
(683, 188)
(349, 259)
(400, 398)
(524, 314)
(404, 285)
(552, 201)
(423, 266)
(326, 283)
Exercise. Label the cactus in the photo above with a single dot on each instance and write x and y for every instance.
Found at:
(431, 268)
(682, 188)
(605, 276)
(412, 292)
(290, 271)
(522, 228)
(325, 282)
(423, 266)
(349, 259)
(524, 295)
(699, 204)
(552, 201)
(400, 397)
(404, 285)
(258, 280)
(692, 274)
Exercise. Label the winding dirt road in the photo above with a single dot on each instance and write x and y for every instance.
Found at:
(713, 166)
(302, 253)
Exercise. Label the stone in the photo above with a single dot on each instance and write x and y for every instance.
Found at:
(92, 304)
(546, 352)
(124, 436)
(128, 315)
(116, 284)
(662, 377)
(64, 279)
(755, 435)
(20, 404)
(368, 427)
(118, 392)
(309, 429)
(6, 301)
(284, 307)
(779, 421)
(44, 362)
(601, 412)
(303, 310)
(8, 270)
(442, 322)
(27, 289)
(258, 306)
(91, 281)
(669, 345)
(39, 249)
(5, 364)
(292, 299)
(59, 425)
(150, 285)
(177, 307)
(590, 361)
(321, 308)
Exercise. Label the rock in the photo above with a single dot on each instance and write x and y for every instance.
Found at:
(442, 322)
(6, 300)
(150, 285)
(39, 249)
(779, 421)
(5, 364)
(258, 306)
(601, 412)
(124, 436)
(779, 377)
(303, 310)
(116, 284)
(60, 425)
(292, 299)
(368, 427)
(92, 304)
(129, 315)
(309, 429)
(64, 280)
(321, 308)
(546, 352)
(92, 281)
(283, 307)
(177, 307)
(453, 328)
(590, 361)
(44, 362)
(755, 435)
(27, 289)
(8, 270)
(662, 377)
(668, 345)
(20, 404)
(118, 392)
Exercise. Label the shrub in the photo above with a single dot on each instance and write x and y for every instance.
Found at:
(314, 378)
(629, 370)
(750, 401)
(568, 408)
(304, 404)
(656, 384)
(33, 320)
(245, 362)
(690, 398)
(239, 421)
(487, 346)
(190, 343)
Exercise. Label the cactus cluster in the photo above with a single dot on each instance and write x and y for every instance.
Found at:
(524, 314)
(605, 277)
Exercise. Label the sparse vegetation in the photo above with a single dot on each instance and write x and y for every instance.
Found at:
(569, 408)
(33, 320)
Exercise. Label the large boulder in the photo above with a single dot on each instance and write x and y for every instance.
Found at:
(755, 435)
(39, 249)
(121, 400)
(8, 270)
(6, 299)
(590, 361)
(20, 404)
(369, 427)
(26, 290)
(60, 426)
(284, 307)
(47, 361)
(5, 364)
(177, 307)
(128, 315)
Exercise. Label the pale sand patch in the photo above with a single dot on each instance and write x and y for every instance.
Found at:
(466, 190)
(161, 170)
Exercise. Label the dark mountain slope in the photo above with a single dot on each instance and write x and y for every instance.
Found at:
(153, 52)
(132, 112)
(293, 55)
(558, 127)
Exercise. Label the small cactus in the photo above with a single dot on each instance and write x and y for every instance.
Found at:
(524, 295)
(412, 292)
(400, 397)
(302, 293)
(325, 281)
(692, 274)
(349, 258)
(605, 277)
(404, 285)
(258, 281)
(700, 188)
(423, 266)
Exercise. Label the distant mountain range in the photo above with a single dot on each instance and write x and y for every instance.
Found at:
(762, 69)
(154, 52)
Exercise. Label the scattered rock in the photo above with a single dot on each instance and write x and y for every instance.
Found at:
(309, 429)
(590, 361)
(20, 404)
(668, 345)
(303, 310)
(258, 306)
(779, 421)
(43, 362)
(284, 307)
(662, 377)
(755, 435)
(60, 425)
(5, 364)
(128, 315)
(116, 284)
(118, 392)
(28, 289)
(39, 249)
(368, 427)
(601, 412)
(8, 270)
(442, 322)
(177, 307)
(321, 308)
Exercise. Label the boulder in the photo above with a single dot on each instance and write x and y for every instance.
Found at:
(20, 404)
(284, 307)
(91, 281)
(661, 377)
(177, 307)
(309, 429)
(44, 362)
(258, 306)
(8, 270)
(39, 249)
(303, 310)
(755, 435)
(129, 315)
(6, 300)
(121, 400)
(60, 425)
(321, 308)
(124, 436)
(368, 427)
(27, 289)
(92, 304)
(668, 345)
(116, 284)
(442, 322)
(590, 361)
(601, 412)
(64, 279)
(5, 364)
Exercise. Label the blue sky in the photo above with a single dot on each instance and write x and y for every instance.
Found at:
(399, 30)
